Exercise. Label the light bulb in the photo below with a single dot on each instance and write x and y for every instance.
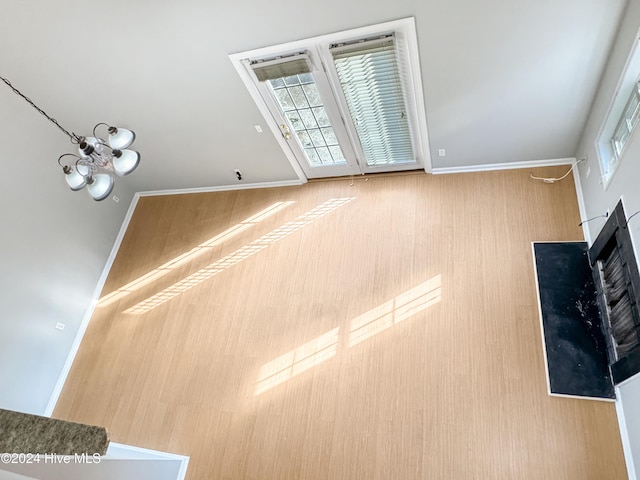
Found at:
(126, 162)
(101, 186)
(97, 143)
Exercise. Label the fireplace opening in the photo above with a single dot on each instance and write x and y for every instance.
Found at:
(618, 305)
(617, 281)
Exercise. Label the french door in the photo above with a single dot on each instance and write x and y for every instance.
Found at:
(344, 103)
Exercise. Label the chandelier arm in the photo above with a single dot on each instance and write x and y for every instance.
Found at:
(96, 127)
(69, 155)
(71, 136)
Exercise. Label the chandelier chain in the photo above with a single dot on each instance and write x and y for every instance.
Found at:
(72, 136)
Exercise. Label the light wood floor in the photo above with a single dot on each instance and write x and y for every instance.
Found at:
(392, 334)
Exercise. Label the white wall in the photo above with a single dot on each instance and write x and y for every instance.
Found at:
(54, 245)
(625, 184)
(13, 476)
(107, 469)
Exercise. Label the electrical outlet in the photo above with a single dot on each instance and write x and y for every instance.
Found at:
(588, 172)
(238, 174)
(442, 152)
(60, 326)
(116, 199)
(258, 128)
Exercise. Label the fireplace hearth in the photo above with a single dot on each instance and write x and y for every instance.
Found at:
(574, 345)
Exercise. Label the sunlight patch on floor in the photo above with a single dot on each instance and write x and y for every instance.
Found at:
(296, 361)
(361, 328)
(192, 254)
(237, 256)
(395, 311)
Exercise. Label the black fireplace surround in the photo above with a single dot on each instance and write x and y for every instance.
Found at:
(615, 274)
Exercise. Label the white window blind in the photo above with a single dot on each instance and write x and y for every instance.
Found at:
(280, 67)
(370, 79)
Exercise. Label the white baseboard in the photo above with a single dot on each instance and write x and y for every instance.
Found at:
(581, 205)
(504, 166)
(89, 312)
(223, 188)
(624, 437)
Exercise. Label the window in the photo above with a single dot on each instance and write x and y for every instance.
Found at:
(343, 103)
(622, 118)
(627, 123)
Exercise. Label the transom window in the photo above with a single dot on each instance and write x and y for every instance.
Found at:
(344, 103)
(627, 123)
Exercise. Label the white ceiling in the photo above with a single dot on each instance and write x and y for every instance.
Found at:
(503, 81)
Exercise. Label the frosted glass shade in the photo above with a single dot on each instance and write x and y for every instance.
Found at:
(126, 162)
(122, 138)
(75, 179)
(101, 187)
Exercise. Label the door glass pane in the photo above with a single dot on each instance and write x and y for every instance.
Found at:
(308, 118)
(299, 99)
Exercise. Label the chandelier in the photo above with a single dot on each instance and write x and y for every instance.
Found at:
(97, 159)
